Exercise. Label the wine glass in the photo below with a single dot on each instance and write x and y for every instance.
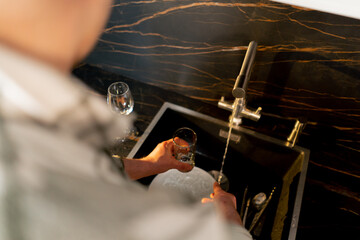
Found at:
(119, 98)
(184, 140)
(120, 101)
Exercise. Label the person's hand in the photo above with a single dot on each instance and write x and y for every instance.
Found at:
(226, 203)
(159, 160)
(163, 158)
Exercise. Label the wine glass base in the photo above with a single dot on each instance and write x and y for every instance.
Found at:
(122, 146)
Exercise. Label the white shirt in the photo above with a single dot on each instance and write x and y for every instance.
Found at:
(56, 183)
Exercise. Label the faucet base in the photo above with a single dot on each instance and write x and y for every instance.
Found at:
(236, 121)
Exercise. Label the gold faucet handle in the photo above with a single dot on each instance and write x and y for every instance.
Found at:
(295, 133)
(258, 111)
(250, 114)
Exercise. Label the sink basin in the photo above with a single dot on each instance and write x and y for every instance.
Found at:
(254, 161)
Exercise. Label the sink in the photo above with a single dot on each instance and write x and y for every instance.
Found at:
(254, 161)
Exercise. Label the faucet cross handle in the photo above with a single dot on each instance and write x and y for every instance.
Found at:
(253, 115)
(239, 108)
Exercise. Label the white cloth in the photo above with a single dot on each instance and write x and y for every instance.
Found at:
(55, 183)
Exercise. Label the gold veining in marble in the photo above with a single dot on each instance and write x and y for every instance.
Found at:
(194, 5)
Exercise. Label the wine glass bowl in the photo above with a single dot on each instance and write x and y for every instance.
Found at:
(119, 98)
(184, 140)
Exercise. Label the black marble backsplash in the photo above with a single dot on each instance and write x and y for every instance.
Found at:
(306, 67)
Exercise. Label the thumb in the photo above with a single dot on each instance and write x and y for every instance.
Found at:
(217, 187)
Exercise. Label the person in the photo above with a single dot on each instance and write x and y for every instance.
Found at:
(56, 180)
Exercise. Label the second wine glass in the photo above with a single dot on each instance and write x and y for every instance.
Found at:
(120, 101)
(119, 98)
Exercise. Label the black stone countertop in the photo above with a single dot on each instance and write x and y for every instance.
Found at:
(331, 202)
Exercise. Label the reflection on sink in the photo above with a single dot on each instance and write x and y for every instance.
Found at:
(256, 161)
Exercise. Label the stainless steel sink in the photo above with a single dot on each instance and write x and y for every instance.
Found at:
(258, 162)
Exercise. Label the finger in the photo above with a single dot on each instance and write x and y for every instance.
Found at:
(217, 187)
(183, 167)
(170, 146)
(206, 200)
(212, 195)
(181, 142)
(169, 141)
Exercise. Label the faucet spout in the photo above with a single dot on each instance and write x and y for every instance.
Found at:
(240, 87)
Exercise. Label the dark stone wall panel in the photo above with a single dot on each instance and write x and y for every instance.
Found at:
(307, 66)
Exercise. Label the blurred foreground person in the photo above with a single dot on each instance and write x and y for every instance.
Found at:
(56, 180)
